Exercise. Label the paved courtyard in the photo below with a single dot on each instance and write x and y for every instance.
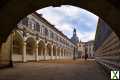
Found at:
(54, 70)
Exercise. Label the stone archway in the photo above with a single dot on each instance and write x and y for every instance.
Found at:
(17, 47)
(30, 49)
(109, 12)
(41, 50)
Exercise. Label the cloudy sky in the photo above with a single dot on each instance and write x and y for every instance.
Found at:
(66, 18)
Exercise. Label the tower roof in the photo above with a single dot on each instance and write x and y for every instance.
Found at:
(74, 38)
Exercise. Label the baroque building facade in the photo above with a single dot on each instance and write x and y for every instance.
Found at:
(86, 48)
(36, 39)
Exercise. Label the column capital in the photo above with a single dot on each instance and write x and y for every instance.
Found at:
(24, 43)
(51, 46)
(37, 42)
(37, 45)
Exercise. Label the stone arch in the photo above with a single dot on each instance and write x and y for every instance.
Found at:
(17, 43)
(48, 50)
(109, 12)
(30, 46)
(41, 48)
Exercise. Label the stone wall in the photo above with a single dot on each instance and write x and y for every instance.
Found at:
(5, 53)
(108, 54)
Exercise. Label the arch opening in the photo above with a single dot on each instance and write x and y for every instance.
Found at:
(49, 50)
(58, 51)
(41, 48)
(62, 52)
(30, 46)
(54, 50)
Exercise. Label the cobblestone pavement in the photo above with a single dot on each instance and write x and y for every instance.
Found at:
(54, 70)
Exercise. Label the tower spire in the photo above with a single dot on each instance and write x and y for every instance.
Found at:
(74, 32)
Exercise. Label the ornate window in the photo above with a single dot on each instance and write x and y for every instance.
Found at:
(57, 37)
(54, 36)
(37, 27)
(51, 34)
(43, 30)
(31, 24)
(46, 32)
(40, 29)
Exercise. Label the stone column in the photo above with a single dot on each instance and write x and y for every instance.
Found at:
(60, 54)
(51, 52)
(56, 54)
(36, 54)
(63, 54)
(24, 52)
(45, 53)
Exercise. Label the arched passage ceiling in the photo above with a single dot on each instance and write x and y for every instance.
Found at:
(12, 11)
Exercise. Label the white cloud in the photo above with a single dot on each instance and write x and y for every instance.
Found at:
(65, 28)
(89, 14)
(70, 11)
(86, 36)
(50, 15)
